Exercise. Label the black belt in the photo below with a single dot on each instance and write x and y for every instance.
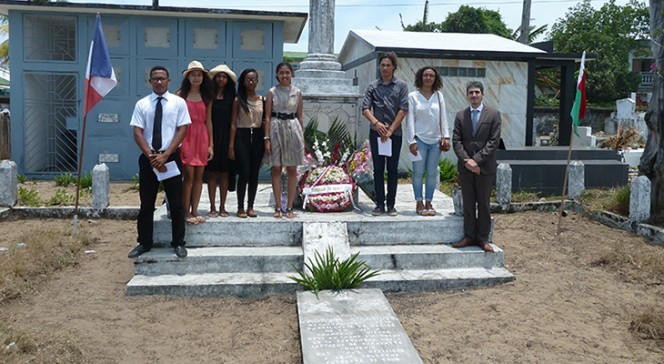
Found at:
(157, 151)
(283, 116)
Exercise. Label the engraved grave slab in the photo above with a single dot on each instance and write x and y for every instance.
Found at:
(352, 326)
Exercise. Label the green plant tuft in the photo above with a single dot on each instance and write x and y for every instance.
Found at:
(621, 201)
(137, 183)
(86, 181)
(28, 197)
(327, 272)
(64, 180)
(22, 179)
(61, 197)
(448, 171)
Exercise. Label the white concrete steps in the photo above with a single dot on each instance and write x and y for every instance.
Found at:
(419, 257)
(262, 284)
(254, 256)
(220, 260)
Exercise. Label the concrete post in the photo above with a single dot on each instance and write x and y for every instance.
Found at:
(457, 200)
(100, 186)
(639, 199)
(8, 183)
(576, 183)
(504, 184)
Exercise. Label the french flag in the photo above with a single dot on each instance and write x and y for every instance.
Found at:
(99, 76)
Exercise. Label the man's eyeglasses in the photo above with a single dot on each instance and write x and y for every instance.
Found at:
(158, 79)
(252, 79)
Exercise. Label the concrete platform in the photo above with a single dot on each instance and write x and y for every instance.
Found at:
(255, 256)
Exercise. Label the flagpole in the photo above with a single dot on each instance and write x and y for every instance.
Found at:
(564, 196)
(577, 114)
(100, 78)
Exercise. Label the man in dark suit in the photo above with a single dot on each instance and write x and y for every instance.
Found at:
(475, 140)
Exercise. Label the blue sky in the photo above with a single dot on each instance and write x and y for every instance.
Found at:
(384, 14)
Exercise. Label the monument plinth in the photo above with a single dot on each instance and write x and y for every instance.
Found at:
(327, 91)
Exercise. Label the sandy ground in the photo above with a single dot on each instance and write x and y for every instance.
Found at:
(563, 307)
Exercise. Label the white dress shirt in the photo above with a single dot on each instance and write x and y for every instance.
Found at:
(175, 114)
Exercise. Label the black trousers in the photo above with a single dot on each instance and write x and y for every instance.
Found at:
(149, 187)
(249, 149)
(476, 193)
(379, 163)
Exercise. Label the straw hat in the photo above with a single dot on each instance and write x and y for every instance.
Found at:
(223, 68)
(194, 66)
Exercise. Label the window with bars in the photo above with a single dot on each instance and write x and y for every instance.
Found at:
(50, 38)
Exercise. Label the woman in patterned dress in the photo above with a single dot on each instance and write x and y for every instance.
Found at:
(197, 147)
(284, 136)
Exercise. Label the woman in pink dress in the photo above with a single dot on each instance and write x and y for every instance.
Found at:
(197, 147)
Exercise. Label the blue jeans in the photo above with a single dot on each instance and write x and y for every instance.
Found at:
(430, 157)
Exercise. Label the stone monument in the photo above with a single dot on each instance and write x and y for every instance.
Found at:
(328, 93)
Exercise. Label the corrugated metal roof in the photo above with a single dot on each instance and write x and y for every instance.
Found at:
(464, 42)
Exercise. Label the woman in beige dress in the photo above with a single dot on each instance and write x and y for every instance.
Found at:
(284, 136)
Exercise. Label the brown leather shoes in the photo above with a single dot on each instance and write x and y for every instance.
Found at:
(466, 241)
(485, 246)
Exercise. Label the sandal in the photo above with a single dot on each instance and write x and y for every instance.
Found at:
(277, 213)
(213, 214)
(420, 209)
(199, 218)
(251, 213)
(223, 213)
(191, 220)
(289, 213)
(429, 209)
(241, 214)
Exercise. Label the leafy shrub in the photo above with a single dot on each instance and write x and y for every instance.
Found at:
(327, 272)
(28, 197)
(64, 180)
(448, 170)
(61, 197)
(86, 181)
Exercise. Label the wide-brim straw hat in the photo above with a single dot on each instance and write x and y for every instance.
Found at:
(223, 68)
(194, 66)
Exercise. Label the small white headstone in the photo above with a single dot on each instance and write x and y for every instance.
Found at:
(8, 183)
(100, 186)
(576, 184)
(639, 199)
(504, 184)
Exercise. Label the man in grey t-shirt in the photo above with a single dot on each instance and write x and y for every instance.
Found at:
(385, 106)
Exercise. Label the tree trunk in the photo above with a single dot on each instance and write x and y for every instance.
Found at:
(652, 161)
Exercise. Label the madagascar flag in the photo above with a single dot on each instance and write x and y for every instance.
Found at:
(579, 108)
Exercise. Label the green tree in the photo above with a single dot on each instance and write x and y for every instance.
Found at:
(467, 20)
(609, 34)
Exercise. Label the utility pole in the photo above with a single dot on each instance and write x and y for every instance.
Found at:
(425, 16)
(525, 22)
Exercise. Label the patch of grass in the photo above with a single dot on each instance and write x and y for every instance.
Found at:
(328, 272)
(649, 325)
(64, 180)
(33, 259)
(28, 197)
(23, 347)
(22, 179)
(61, 198)
(525, 196)
(647, 264)
(446, 187)
(599, 199)
(621, 201)
(137, 183)
(86, 181)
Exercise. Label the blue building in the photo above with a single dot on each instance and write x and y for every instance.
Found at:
(49, 45)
